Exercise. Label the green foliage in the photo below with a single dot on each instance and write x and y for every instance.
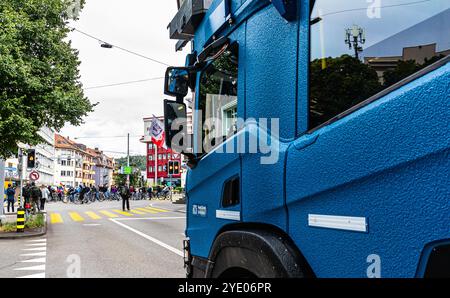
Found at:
(405, 69)
(337, 84)
(136, 161)
(135, 179)
(39, 77)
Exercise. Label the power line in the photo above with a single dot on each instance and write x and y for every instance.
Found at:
(120, 48)
(106, 137)
(123, 83)
(365, 8)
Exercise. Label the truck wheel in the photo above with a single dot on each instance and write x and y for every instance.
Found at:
(255, 253)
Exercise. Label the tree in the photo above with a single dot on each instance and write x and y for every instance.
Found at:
(39, 77)
(135, 179)
(343, 83)
(137, 161)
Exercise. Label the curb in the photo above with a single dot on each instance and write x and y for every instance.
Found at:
(15, 235)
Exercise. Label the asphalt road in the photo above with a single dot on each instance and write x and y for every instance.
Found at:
(98, 240)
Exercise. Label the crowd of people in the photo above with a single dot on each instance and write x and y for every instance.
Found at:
(35, 197)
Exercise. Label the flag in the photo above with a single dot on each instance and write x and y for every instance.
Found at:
(156, 131)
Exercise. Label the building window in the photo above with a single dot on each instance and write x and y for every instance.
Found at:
(63, 162)
(150, 157)
(63, 173)
(160, 168)
(159, 156)
(360, 49)
(150, 169)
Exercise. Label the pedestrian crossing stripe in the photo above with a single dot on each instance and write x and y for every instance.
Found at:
(156, 209)
(109, 214)
(92, 215)
(137, 212)
(123, 212)
(75, 216)
(147, 210)
(55, 218)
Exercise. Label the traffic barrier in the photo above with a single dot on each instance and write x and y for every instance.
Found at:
(20, 220)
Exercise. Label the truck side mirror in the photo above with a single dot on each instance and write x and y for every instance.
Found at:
(176, 81)
(175, 126)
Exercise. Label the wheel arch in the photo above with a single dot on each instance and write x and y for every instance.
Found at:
(265, 239)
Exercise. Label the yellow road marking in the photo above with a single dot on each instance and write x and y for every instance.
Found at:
(156, 209)
(75, 216)
(55, 218)
(107, 213)
(123, 212)
(148, 211)
(92, 215)
(136, 212)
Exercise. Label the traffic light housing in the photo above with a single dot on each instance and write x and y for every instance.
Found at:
(176, 167)
(31, 158)
(170, 167)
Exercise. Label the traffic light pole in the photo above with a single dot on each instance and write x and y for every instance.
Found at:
(2, 184)
(20, 171)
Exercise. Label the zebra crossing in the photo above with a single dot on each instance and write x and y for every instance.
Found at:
(33, 259)
(82, 216)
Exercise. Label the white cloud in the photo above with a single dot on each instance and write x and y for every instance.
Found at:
(137, 25)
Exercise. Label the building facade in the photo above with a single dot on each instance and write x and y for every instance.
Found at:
(76, 164)
(103, 168)
(158, 158)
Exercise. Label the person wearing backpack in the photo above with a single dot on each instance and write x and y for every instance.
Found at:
(125, 194)
(10, 192)
(26, 194)
(35, 197)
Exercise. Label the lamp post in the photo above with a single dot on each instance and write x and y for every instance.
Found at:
(354, 37)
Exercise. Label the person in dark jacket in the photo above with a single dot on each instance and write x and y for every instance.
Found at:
(10, 192)
(26, 194)
(125, 194)
(36, 194)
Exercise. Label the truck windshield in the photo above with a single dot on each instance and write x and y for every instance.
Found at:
(361, 47)
(218, 98)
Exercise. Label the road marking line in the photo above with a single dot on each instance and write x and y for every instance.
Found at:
(91, 225)
(37, 240)
(37, 254)
(156, 209)
(37, 275)
(35, 249)
(32, 268)
(36, 244)
(107, 213)
(38, 260)
(154, 240)
(139, 218)
(55, 218)
(146, 210)
(137, 212)
(75, 216)
(123, 212)
(92, 215)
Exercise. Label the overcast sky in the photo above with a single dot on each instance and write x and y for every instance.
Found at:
(137, 25)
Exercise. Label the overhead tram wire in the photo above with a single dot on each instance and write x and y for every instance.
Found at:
(117, 47)
(123, 83)
(382, 6)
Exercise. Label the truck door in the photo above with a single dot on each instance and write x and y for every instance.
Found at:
(367, 181)
(214, 184)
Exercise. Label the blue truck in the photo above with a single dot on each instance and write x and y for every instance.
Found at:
(320, 144)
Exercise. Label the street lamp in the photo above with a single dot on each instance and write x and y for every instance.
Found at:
(354, 37)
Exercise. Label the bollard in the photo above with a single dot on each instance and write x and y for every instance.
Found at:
(20, 220)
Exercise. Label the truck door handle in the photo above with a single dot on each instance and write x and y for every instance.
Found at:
(305, 141)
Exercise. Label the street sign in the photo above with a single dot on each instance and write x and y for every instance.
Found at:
(34, 176)
(127, 170)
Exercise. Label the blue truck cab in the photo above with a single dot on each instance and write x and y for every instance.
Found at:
(321, 137)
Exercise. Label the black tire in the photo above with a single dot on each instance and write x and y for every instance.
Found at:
(256, 253)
